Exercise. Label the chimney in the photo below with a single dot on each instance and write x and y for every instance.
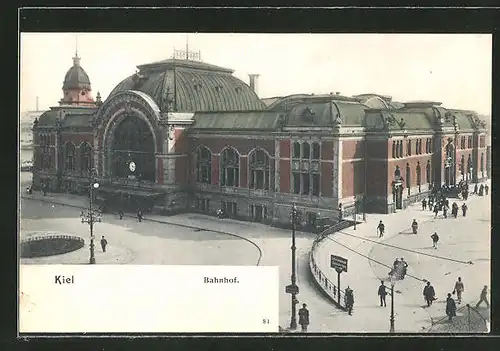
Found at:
(254, 78)
(37, 103)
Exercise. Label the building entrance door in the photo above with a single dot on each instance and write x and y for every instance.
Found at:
(259, 213)
(398, 196)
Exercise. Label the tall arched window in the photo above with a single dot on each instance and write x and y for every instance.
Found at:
(69, 157)
(315, 151)
(85, 158)
(462, 166)
(230, 170)
(296, 150)
(400, 148)
(397, 173)
(419, 175)
(428, 172)
(306, 150)
(260, 167)
(204, 165)
(393, 149)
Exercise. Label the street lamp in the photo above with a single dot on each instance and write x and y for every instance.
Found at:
(293, 322)
(393, 282)
(91, 216)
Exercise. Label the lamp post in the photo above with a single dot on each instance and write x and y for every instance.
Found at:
(471, 174)
(293, 322)
(393, 282)
(91, 216)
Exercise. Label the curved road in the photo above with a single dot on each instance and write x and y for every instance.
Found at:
(188, 239)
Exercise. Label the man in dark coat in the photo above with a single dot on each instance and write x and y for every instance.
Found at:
(475, 189)
(435, 240)
(486, 189)
(424, 204)
(120, 213)
(381, 229)
(464, 209)
(451, 307)
(484, 297)
(304, 317)
(139, 215)
(481, 190)
(454, 210)
(382, 292)
(403, 268)
(349, 300)
(104, 243)
(429, 294)
(436, 211)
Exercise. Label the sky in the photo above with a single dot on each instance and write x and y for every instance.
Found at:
(454, 69)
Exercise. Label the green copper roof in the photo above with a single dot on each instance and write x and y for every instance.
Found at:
(251, 120)
(190, 86)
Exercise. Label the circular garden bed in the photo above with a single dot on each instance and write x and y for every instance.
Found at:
(50, 245)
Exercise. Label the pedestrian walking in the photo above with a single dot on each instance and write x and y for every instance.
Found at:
(445, 211)
(481, 190)
(44, 189)
(395, 267)
(104, 243)
(436, 210)
(454, 210)
(404, 267)
(451, 307)
(120, 213)
(424, 204)
(486, 189)
(382, 292)
(435, 240)
(430, 203)
(475, 189)
(304, 317)
(429, 294)
(483, 297)
(139, 215)
(349, 300)
(459, 289)
(464, 209)
(381, 229)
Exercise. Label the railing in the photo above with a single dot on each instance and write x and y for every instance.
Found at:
(54, 236)
(325, 284)
(467, 320)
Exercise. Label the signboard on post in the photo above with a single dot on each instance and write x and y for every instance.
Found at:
(339, 263)
(292, 289)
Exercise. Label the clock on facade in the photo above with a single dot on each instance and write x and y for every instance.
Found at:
(131, 166)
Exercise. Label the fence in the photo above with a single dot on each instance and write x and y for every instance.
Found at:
(326, 285)
(467, 320)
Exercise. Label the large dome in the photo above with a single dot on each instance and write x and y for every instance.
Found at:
(76, 77)
(190, 86)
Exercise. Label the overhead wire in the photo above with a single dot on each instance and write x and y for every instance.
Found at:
(405, 249)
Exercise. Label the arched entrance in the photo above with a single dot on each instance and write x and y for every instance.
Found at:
(133, 150)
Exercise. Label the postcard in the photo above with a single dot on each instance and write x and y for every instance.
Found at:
(254, 183)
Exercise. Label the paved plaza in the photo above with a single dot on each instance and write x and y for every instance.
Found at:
(194, 239)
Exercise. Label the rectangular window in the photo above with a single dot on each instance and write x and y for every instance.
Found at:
(315, 184)
(296, 183)
(305, 183)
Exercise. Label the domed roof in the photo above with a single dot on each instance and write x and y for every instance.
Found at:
(76, 77)
(190, 86)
